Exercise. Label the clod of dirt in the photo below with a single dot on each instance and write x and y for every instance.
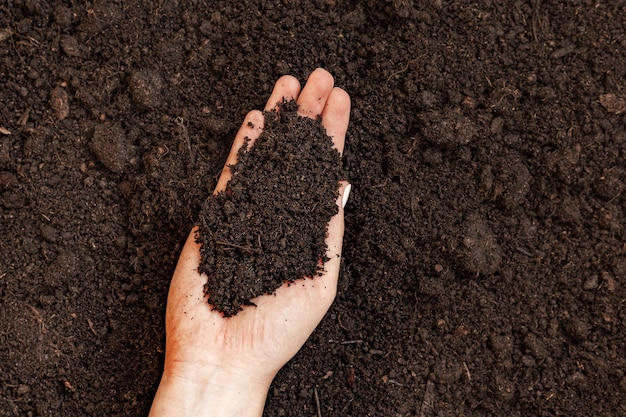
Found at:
(59, 102)
(479, 250)
(449, 129)
(576, 328)
(447, 370)
(613, 103)
(70, 46)
(50, 233)
(63, 16)
(65, 266)
(12, 199)
(610, 184)
(7, 180)
(269, 225)
(111, 147)
(145, 87)
(536, 347)
(512, 182)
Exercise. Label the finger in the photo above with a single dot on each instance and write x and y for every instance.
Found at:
(186, 280)
(336, 116)
(313, 97)
(286, 88)
(251, 128)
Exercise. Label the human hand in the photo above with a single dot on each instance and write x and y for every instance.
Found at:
(224, 366)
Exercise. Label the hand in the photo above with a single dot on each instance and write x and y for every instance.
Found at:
(224, 366)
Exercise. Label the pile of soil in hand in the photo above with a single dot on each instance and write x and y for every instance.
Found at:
(269, 225)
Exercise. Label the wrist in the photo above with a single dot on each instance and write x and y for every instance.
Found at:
(219, 393)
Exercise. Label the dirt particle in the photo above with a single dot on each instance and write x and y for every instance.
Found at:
(504, 387)
(448, 129)
(610, 184)
(64, 267)
(568, 210)
(536, 347)
(63, 16)
(59, 102)
(50, 233)
(576, 328)
(13, 199)
(111, 147)
(502, 345)
(70, 46)
(591, 283)
(23, 389)
(5, 33)
(8, 180)
(145, 87)
(479, 250)
(497, 124)
(577, 379)
(512, 180)
(447, 371)
(613, 103)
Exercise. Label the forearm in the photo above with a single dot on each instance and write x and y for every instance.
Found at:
(217, 396)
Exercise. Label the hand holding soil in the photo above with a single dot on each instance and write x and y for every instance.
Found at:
(224, 366)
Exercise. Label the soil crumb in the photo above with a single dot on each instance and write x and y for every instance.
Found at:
(269, 225)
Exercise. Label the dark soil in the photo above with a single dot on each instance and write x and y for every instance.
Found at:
(269, 225)
(485, 250)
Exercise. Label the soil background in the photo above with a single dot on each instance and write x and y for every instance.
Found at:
(485, 251)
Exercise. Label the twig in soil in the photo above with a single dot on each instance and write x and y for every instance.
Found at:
(467, 372)
(345, 342)
(397, 73)
(617, 195)
(90, 323)
(350, 342)
(346, 406)
(408, 64)
(317, 402)
(246, 248)
(24, 117)
(340, 323)
(37, 314)
(183, 132)
(427, 403)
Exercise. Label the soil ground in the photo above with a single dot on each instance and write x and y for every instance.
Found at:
(485, 250)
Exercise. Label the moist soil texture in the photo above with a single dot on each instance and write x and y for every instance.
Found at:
(484, 262)
(268, 226)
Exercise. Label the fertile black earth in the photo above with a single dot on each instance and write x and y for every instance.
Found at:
(484, 268)
(268, 226)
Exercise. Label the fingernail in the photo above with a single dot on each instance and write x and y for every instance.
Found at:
(346, 194)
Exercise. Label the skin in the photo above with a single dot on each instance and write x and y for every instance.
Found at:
(216, 366)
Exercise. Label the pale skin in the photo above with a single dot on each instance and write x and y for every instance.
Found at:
(216, 366)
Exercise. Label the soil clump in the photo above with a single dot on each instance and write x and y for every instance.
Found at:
(269, 225)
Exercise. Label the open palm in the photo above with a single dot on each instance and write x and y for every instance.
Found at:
(255, 343)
